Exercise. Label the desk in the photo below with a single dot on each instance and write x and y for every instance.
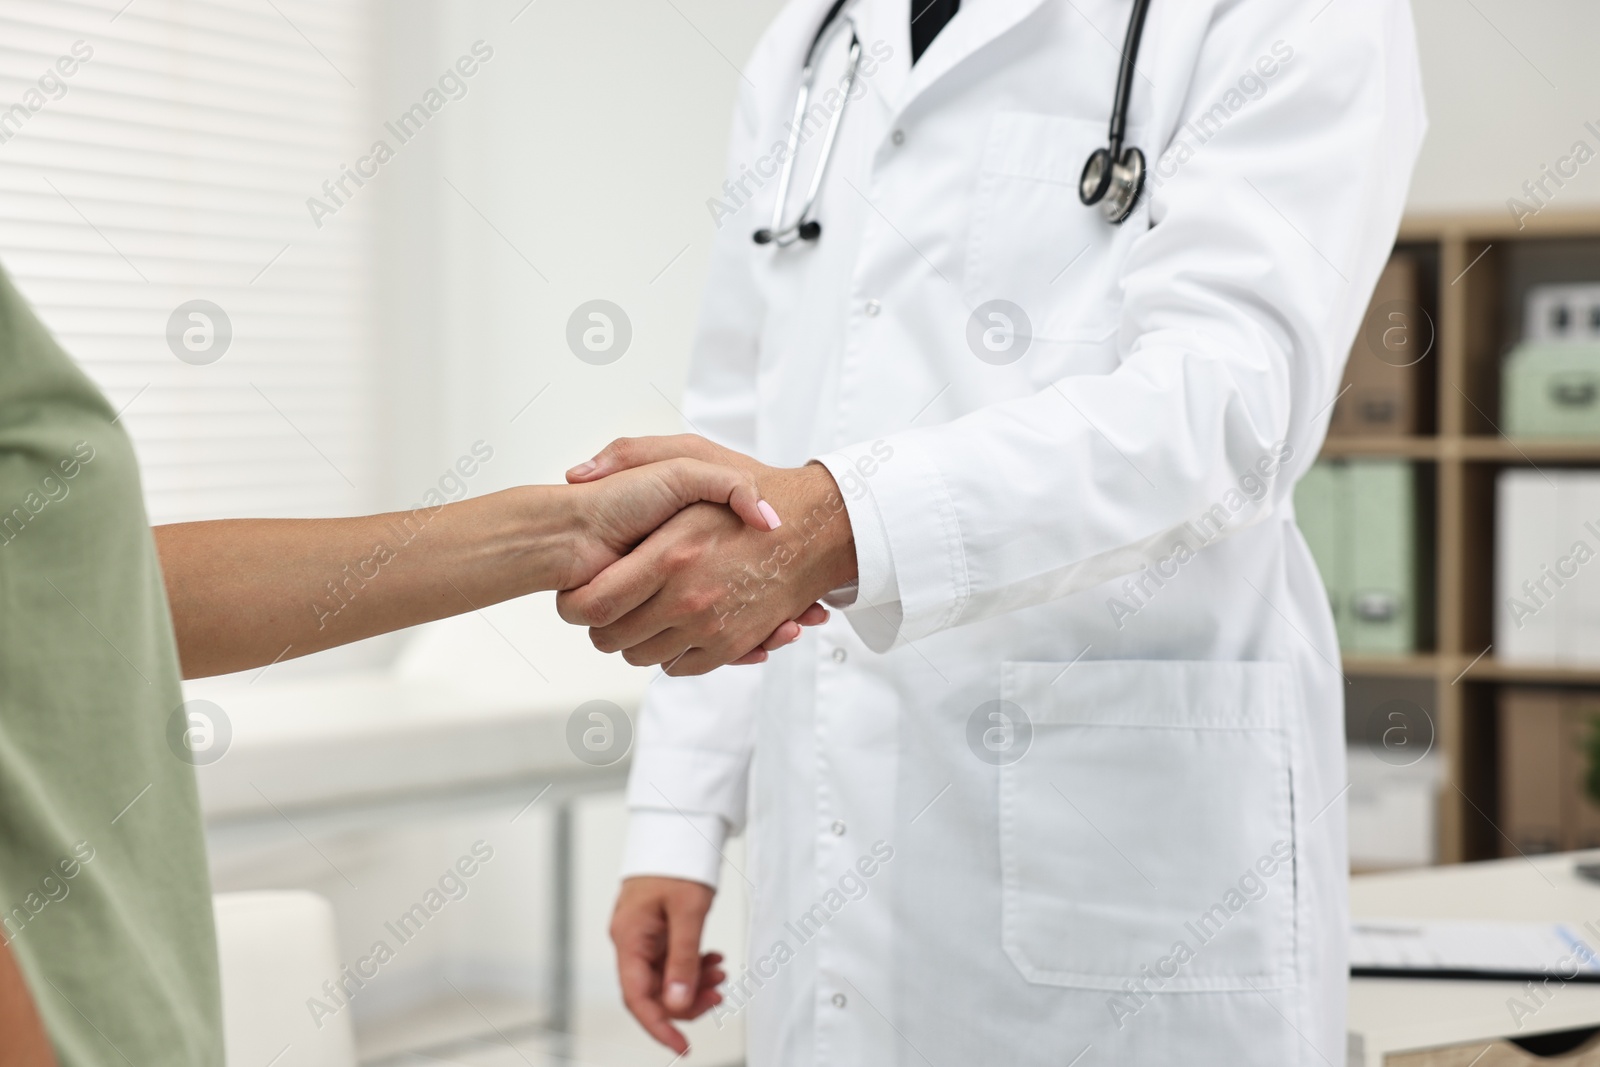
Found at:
(1393, 1015)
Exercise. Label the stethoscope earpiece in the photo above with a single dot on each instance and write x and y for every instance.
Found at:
(808, 230)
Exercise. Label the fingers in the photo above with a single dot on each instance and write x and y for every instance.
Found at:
(815, 615)
(638, 931)
(628, 452)
(711, 976)
(612, 594)
(693, 480)
(681, 980)
(789, 632)
(786, 633)
(639, 992)
(663, 648)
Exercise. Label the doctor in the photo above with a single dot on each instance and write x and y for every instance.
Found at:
(1063, 784)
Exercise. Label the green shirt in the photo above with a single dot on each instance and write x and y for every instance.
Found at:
(104, 895)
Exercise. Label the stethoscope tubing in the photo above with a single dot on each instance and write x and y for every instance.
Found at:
(1125, 170)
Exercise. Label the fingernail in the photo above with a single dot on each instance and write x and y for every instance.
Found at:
(583, 468)
(679, 995)
(773, 522)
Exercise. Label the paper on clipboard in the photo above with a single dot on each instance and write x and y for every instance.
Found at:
(1493, 951)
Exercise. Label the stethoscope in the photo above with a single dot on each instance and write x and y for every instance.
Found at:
(1112, 179)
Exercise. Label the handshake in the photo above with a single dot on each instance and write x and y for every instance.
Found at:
(692, 556)
(672, 550)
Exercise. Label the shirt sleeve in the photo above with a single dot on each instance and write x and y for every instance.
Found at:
(1240, 302)
(672, 845)
(875, 582)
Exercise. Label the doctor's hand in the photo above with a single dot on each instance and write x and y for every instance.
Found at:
(618, 512)
(706, 590)
(656, 930)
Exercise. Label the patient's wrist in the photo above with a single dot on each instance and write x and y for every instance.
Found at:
(541, 534)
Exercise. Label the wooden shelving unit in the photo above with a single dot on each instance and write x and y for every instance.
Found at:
(1467, 254)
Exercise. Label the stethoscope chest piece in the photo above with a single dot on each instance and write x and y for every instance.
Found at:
(1113, 177)
(1114, 185)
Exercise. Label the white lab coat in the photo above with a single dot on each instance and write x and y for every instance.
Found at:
(1100, 533)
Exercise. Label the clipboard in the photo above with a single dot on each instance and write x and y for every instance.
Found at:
(1475, 951)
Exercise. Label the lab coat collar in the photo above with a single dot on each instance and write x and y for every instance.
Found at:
(977, 23)
(888, 21)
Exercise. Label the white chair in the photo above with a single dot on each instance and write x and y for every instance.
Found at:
(276, 951)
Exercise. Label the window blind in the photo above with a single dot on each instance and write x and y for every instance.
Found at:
(156, 153)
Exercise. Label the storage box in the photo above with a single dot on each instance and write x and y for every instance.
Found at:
(1580, 816)
(1544, 767)
(1393, 811)
(1547, 566)
(1378, 396)
(1531, 785)
(1381, 506)
(1317, 500)
(1551, 389)
(1562, 312)
(1359, 519)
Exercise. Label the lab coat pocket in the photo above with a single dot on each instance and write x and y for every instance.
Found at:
(1031, 242)
(1146, 834)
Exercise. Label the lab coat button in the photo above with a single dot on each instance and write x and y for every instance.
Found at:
(873, 307)
(839, 655)
(838, 828)
(839, 1000)
(898, 137)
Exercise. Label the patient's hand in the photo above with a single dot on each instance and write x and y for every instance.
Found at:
(616, 513)
(706, 589)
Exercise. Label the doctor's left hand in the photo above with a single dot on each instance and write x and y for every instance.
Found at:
(705, 589)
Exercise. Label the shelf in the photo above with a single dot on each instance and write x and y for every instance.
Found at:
(1499, 225)
(1399, 447)
(1420, 665)
(1451, 669)
(1470, 263)
(1523, 450)
(1475, 448)
(1491, 670)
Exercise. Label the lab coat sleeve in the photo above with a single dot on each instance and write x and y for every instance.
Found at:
(687, 787)
(1240, 302)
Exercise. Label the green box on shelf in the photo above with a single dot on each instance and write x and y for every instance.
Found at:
(1551, 389)
(1359, 519)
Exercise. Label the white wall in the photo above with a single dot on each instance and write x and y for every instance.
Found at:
(1510, 85)
(587, 148)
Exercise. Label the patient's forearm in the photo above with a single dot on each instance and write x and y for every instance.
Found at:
(247, 592)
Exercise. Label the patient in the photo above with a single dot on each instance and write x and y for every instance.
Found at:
(107, 953)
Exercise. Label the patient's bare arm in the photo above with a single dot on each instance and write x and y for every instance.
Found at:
(247, 592)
